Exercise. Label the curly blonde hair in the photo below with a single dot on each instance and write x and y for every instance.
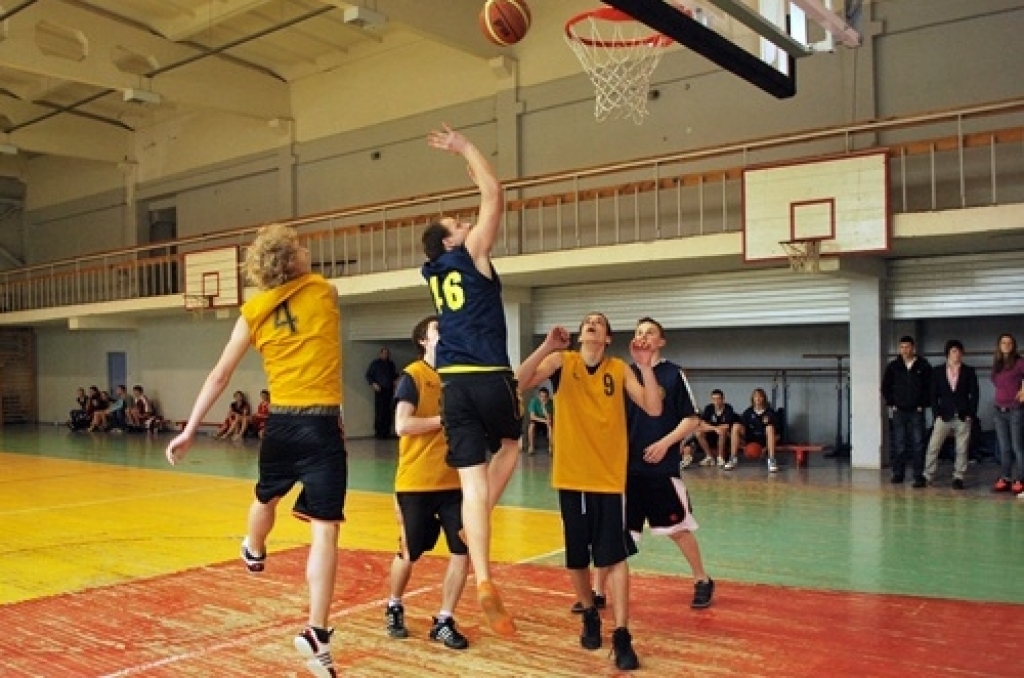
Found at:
(270, 260)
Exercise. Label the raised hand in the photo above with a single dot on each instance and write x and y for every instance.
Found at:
(641, 351)
(558, 338)
(447, 140)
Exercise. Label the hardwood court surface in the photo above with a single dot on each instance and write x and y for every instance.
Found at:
(112, 564)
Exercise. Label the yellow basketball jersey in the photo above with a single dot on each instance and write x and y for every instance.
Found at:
(297, 329)
(421, 463)
(590, 433)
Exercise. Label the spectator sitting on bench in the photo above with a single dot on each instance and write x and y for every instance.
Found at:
(117, 414)
(716, 422)
(541, 418)
(141, 410)
(757, 425)
(259, 420)
(79, 418)
(238, 418)
(98, 404)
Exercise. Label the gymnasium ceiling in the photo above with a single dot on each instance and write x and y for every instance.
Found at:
(67, 67)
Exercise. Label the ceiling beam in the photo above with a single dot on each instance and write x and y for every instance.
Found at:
(189, 24)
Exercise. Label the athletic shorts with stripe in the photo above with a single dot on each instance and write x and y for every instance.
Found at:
(307, 449)
(479, 410)
(594, 529)
(660, 501)
(422, 516)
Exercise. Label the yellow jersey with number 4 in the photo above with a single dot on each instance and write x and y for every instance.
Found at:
(297, 329)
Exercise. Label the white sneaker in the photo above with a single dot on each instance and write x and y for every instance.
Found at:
(687, 460)
(731, 464)
(317, 653)
(721, 462)
(772, 466)
(707, 461)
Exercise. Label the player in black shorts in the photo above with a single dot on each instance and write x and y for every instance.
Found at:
(480, 406)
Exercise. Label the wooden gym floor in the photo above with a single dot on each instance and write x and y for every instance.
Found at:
(114, 564)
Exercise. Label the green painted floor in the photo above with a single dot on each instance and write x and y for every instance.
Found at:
(823, 527)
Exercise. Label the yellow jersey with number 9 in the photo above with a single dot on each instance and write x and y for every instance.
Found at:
(296, 327)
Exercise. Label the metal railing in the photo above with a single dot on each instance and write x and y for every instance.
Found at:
(954, 159)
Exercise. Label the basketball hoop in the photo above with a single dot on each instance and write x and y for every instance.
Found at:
(804, 255)
(196, 304)
(619, 61)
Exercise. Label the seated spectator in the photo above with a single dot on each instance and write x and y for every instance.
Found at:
(259, 420)
(541, 419)
(117, 417)
(141, 411)
(98, 404)
(238, 418)
(716, 423)
(689, 447)
(756, 426)
(79, 418)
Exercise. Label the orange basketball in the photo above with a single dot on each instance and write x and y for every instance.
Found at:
(505, 22)
(753, 450)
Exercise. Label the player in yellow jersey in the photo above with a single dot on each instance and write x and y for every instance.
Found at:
(427, 494)
(589, 471)
(295, 325)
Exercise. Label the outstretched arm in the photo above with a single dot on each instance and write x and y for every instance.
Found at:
(481, 237)
(216, 382)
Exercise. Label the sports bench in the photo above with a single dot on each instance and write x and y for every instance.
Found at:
(801, 450)
(180, 423)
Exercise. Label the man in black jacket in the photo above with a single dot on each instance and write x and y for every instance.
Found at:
(382, 375)
(954, 406)
(906, 388)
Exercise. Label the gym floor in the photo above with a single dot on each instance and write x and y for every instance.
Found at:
(112, 563)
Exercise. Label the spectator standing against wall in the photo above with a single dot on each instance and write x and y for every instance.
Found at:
(906, 391)
(1008, 414)
(954, 393)
(381, 375)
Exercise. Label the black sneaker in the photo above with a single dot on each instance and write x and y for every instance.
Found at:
(897, 479)
(958, 484)
(622, 647)
(920, 481)
(600, 602)
(394, 616)
(702, 593)
(590, 639)
(446, 632)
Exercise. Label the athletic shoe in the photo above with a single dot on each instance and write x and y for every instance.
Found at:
(773, 467)
(721, 462)
(1002, 485)
(394, 618)
(702, 594)
(919, 482)
(446, 632)
(312, 645)
(897, 479)
(1017, 487)
(687, 461)
(590, 639)
(1020, 496)
(252, 562)
(497, 618)
(732, 463)
(600, 602)
(958, 483)
(622, 647)
(707, 461)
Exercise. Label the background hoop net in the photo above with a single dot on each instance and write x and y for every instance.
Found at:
(620, 55)
(197, 304)
(804, 255)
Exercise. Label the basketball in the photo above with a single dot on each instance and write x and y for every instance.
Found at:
(752, 450)
(504, 22)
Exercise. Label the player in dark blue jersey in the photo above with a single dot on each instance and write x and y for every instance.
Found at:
(716, 420)
(757, 427)
(479, 398)
(655, 493)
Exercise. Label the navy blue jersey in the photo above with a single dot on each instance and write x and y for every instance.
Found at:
(726, 416)
(755, 423)
(471, 316)
(677, 404)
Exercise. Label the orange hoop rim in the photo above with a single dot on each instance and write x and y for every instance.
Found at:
(614, 15)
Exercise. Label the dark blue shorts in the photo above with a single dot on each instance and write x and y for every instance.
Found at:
(479, 410)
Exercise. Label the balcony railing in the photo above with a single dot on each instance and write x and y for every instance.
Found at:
(953, 159)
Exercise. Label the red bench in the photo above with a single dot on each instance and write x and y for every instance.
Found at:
(801, 450)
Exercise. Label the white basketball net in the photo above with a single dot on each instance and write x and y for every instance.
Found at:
(620, 63)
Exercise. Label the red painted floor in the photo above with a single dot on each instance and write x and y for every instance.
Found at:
(222, 621)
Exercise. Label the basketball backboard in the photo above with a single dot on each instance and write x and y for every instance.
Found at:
(758, 40)
(212, 279)
(841, 202)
